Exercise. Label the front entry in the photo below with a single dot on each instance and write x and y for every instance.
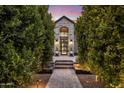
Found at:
(64, 41)
(64, 45)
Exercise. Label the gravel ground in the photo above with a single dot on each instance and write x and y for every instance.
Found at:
(42, 78)
(88, 81)
(65, 78)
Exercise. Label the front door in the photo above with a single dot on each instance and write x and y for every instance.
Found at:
(64, 45)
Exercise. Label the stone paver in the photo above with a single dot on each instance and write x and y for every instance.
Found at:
(64, 78)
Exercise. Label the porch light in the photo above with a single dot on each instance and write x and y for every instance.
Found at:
(71, 41)
(56, 42)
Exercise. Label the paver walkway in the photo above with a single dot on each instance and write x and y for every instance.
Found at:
(64, 78)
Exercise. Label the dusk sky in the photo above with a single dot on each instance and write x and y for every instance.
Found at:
(71, 11)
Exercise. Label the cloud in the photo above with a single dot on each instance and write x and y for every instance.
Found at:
(72, 11)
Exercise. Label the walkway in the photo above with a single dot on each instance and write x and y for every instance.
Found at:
(64, 78)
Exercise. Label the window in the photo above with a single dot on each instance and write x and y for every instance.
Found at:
(64, 32)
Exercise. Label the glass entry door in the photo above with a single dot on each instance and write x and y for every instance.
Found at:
(64, 45)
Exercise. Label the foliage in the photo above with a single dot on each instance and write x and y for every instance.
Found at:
(100, 40)
(48, 40)
(24, 37)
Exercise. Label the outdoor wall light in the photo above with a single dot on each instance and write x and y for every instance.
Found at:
(56, 40)
(71, 41)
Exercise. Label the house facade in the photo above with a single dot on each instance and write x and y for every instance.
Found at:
(65, 38)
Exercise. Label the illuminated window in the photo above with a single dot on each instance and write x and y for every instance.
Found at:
(64, 32)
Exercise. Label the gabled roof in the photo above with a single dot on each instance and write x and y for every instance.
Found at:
(65, 18)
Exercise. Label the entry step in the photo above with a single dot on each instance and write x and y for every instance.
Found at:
(64, 63)
(64, 67)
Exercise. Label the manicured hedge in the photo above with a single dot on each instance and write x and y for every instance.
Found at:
(100, 36)
(26, 42)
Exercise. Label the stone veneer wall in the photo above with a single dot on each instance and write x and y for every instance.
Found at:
(70, 26)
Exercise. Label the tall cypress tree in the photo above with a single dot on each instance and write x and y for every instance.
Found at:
(48, 35)
(22, 42)
(101, 25)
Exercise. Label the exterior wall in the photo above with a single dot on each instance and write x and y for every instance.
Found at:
(75, 43)
(71, 29)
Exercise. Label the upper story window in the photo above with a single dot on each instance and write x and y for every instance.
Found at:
(64, 31)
